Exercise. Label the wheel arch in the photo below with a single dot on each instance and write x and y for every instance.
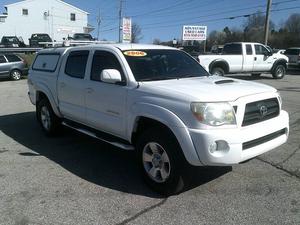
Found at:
(219, 63)
(146, 115)
(279, 62)
(42, 91)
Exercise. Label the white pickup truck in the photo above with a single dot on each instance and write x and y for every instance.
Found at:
(158, 101)
(245, 57)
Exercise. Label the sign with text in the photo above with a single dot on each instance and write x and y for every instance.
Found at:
(194, 33)
(126, 30)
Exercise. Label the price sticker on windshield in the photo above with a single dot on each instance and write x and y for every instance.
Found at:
(135, 53)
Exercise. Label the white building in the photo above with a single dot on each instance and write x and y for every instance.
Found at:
(54, 17)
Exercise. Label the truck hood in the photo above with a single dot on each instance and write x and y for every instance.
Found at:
(207, 89)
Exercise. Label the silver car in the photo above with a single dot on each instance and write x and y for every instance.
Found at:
(294, 57)
(12, 66)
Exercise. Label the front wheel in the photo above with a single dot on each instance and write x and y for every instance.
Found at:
(279, 72)
(160, 158)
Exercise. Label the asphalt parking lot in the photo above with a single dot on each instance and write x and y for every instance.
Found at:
(74, 179)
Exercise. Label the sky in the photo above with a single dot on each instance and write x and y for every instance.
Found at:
(163, 19)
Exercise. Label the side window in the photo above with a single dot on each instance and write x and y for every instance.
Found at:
(248, 50)
(104, 60)
(260, 50)
(46, 62)
(13, 58)
(76, 64)
(2, 59)
(232, 49)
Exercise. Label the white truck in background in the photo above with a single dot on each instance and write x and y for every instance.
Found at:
(245, 57)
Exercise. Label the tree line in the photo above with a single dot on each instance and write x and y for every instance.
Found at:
(286, 35)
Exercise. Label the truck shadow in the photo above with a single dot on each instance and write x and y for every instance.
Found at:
(88, 158)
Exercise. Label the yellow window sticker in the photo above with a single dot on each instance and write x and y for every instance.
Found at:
(135, 53)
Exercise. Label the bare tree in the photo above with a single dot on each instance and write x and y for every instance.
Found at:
(293, 23)
(136, 33)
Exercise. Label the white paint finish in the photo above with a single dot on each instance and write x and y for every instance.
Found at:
(244, 62)
(57, 24)
(115, 109)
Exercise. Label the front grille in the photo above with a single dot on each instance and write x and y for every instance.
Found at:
(261, 140)
(259, 111)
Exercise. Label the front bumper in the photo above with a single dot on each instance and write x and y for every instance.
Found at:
(242, 143)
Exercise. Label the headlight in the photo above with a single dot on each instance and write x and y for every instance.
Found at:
(279, 99)
(214, 114)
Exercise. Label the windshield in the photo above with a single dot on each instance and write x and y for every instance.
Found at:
(82, 36)
(12, 40)
(154, 64)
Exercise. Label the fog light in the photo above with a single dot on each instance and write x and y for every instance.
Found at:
(213, 147)
(220, 146)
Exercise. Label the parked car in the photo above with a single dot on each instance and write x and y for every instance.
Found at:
(37, 40)
(12, 66)
(245, 57)
(159, 102)
(12, 42)
(294, 57)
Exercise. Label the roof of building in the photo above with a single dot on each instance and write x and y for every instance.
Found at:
(67, 4)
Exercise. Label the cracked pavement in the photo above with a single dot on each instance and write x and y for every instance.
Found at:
(74, 179)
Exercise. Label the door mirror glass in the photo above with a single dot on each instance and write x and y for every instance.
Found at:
(110, 76)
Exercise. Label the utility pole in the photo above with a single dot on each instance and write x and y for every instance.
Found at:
(98, 23)
(267, 21)
(120, 20)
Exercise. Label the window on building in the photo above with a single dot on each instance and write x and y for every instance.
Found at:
(73, 17)
(76, 64)
(2, 19)
(25, 12)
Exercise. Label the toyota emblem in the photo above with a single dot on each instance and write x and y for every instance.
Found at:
(263, 110)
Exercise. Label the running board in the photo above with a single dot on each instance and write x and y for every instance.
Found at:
(94, 135)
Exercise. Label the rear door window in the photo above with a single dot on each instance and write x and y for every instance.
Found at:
(76, 64)
(248, 50)
(46, 62)
(232, 49)
(13, 58)
(2, 59)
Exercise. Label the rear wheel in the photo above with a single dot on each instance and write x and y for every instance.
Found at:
(160, 158)
(49, 121)
(15, 75)
(279, 72)
(218, 71)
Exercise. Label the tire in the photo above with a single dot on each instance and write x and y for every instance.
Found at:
(161, 161)
(255, 75)
(279, 71)
(49, 122)
(218, 71)
(15, 75)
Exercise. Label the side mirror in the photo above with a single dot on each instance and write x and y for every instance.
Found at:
(110, 76)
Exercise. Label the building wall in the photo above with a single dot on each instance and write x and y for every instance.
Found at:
(44, 16)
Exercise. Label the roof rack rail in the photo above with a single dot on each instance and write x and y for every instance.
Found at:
(68, 43)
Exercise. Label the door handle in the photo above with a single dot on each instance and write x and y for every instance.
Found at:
(62, 84)
(89, 90)
(255, 58)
